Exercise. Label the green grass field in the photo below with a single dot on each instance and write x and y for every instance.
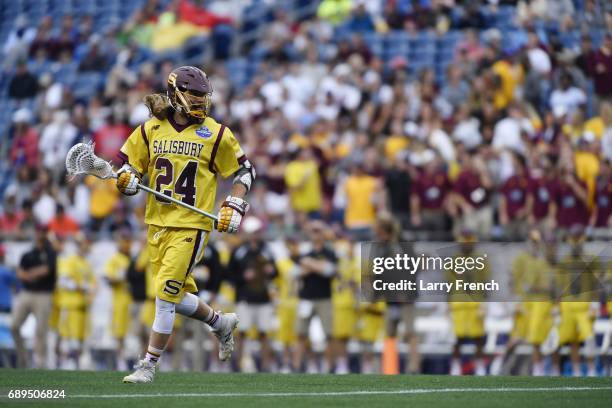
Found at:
(173, 390)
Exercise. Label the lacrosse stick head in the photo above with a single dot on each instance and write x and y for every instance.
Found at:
(81, 159)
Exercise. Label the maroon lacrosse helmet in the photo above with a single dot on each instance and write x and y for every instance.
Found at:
(190, 92)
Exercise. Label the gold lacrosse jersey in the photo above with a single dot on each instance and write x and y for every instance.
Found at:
(346, 282)
(75, 277)
(182, 162)
(143, 263)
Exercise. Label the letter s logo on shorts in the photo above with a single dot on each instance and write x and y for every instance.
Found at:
(172, 287)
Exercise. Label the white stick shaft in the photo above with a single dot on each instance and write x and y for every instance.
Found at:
(177, 202)
(174, 200)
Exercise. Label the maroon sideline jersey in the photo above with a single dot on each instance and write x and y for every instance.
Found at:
(570, 209)
(515, 191)
(541, 190)
(431, 189)
(469, 186)
(603, 201)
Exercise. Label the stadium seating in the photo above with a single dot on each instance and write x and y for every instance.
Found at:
(425, 50)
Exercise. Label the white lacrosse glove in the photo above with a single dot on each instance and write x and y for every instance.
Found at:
(230, 214)
(127, 180)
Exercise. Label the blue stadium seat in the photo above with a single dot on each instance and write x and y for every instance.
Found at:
(514, 39)
(66, 73)
(570, 39)
(424, 46)
(416, 65)
(326, 52)
(505, 17)
(390, 53)
(258, 52)
(445, 56)
(397, 36)
(251, 68)
(449, 40)
(375, 42)
(597, 36)
(87, 84)
(398, 48)
(237, 71)
(175, 54)
(427, 58)
(397, 43)
(195, 47)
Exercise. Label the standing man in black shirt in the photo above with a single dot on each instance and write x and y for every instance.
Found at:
(399, 184)
(316, 271)
(36, 272)
(253, 268)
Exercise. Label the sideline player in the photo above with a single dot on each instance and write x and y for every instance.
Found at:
(576, 286)
(75, 290)
(541, 319)
(115, 273)
(466, 308)
(527, 268)
(287, 301)
(182, 149)
(345, 302)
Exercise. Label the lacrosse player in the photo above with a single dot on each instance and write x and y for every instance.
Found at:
(541, 331)
(115, 273)
(466, 308)
(182, 149)
(577, 283)
(75, 289)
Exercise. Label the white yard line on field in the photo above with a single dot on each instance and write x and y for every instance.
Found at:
(343, 393)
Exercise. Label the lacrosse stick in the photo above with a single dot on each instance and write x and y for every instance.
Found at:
(82, 160)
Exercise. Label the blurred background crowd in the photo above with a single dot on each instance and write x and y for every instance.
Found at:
(447, 117)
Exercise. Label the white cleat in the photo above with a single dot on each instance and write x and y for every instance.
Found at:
(311, 368)
(538, 370)
(144, 373)
(480, 370)
(225, 335)
(497, 365)
(455, 367)
(342, 368)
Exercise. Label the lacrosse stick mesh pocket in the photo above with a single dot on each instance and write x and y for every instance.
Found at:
(82, 160)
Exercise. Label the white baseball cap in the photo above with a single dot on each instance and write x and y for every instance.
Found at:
(22, 115)
(251, 225)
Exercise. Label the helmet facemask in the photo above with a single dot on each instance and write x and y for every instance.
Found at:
(193, 103)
